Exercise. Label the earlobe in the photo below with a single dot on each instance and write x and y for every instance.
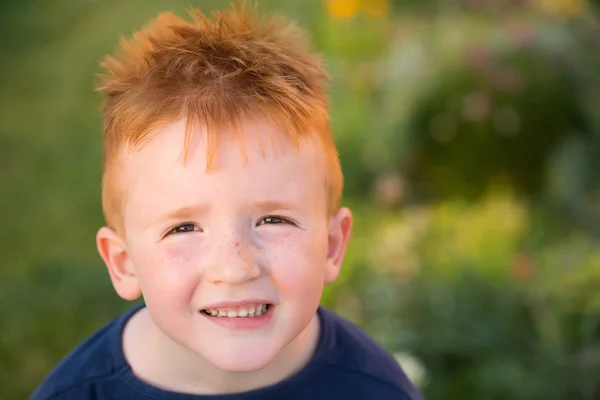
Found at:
(113, 251)
(340, 226)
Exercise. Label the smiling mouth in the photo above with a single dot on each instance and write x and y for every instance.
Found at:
(248, 311)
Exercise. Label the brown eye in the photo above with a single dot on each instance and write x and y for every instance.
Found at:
(184, 228)
(271, 220)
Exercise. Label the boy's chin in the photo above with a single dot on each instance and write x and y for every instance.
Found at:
(241, 360)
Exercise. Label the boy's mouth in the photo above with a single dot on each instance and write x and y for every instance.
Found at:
(247, 311)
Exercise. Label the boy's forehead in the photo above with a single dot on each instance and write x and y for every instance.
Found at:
(157, 177)
(275, 169)
(249, 142)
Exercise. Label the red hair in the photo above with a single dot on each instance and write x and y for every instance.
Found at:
(215, 73)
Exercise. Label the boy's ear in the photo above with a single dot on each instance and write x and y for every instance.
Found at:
(113, 251)
(340, 226)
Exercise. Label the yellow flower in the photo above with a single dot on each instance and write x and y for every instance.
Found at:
(573, 7)
(375, 8)
(342, 9)
(564, 8)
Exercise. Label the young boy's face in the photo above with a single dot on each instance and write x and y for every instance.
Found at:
(227, 241)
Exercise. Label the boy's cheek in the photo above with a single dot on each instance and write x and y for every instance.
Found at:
(168, 265)
(179, 255)
(168, 284)
(297, 265)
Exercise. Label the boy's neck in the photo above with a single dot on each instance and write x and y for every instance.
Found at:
(157, 360)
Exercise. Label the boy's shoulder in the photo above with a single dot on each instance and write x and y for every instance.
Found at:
(97, 358)
(358, 361)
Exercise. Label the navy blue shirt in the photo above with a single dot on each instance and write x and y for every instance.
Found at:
(347, 364)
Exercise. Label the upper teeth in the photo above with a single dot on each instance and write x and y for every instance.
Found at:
(251, 310)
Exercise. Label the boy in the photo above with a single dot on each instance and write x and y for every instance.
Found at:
(221, 193)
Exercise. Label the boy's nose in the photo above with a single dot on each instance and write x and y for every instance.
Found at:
(234, 261)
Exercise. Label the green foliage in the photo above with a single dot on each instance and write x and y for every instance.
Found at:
(485, 315)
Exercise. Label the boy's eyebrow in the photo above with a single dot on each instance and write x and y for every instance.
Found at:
(279, 205)
(180, 213)
(188, 211)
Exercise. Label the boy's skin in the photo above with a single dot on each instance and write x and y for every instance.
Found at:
(253, 230)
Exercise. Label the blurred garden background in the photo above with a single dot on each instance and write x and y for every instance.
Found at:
(469, 131)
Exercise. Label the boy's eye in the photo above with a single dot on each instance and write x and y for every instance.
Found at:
(271, 219)
(184, 228)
